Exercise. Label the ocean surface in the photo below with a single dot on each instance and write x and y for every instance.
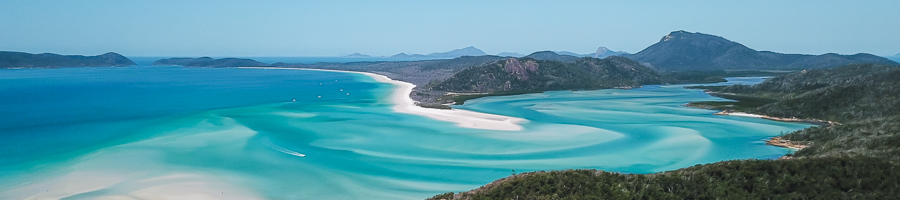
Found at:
(272, 60)
(84, 133)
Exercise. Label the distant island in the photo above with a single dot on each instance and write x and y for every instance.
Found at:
(685, 51)
(210, 62)
(510, 54)
(357, 55)
(468, 51)
(9, 59)
(602, 52)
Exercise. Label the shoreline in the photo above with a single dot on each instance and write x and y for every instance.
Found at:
(782, 119)
(404, 104)
(781, 142)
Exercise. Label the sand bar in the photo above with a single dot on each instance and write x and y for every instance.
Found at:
(405, 104)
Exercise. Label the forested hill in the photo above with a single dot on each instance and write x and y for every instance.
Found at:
(210, 62)
(686, 51)
(528, 74)
(821, 178)
(10, 59)
(838, 94)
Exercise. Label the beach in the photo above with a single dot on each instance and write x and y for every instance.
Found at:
(405, 104)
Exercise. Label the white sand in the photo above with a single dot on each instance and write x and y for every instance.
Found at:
(744, 114)
(463, 118)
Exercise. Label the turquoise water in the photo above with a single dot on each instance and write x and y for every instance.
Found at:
(238, 130)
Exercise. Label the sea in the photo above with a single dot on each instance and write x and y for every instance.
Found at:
(230, 133)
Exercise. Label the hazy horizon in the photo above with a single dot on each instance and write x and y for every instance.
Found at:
(338, 28)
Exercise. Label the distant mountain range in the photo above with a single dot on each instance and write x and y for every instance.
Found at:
(210, 62)
(468, 51)
(602, 52)
(685, 51)
(9, 59)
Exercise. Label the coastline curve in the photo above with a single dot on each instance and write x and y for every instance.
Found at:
(404, 104)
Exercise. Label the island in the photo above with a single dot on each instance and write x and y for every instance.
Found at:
(210, 62)
(11, 60)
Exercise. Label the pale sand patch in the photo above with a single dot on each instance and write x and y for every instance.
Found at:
(118, 186)
(745, 114)
(405, 104)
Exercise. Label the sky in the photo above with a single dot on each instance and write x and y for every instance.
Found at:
(298, 28)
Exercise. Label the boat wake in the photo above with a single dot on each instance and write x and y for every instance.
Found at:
(275, 147)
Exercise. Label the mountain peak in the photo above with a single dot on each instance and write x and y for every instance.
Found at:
(686, 51)
(684, 35)
(603, 52)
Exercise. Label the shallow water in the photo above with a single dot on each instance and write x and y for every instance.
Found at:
(134, 129)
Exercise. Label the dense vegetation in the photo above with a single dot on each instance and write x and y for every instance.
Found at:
(873, 137)
(685, 51)
(822, 178)
(10, 59)
(838, 94)
(528, 74)
(859, 158)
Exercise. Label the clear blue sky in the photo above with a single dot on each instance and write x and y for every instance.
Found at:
(337, 27)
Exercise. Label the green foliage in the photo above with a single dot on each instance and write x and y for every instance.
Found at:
(584, 73)
(741, 103)
(875, 137)
(822, 178)
(715, 76)
(840, 94)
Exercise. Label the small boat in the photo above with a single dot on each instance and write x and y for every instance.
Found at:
(295, 99)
